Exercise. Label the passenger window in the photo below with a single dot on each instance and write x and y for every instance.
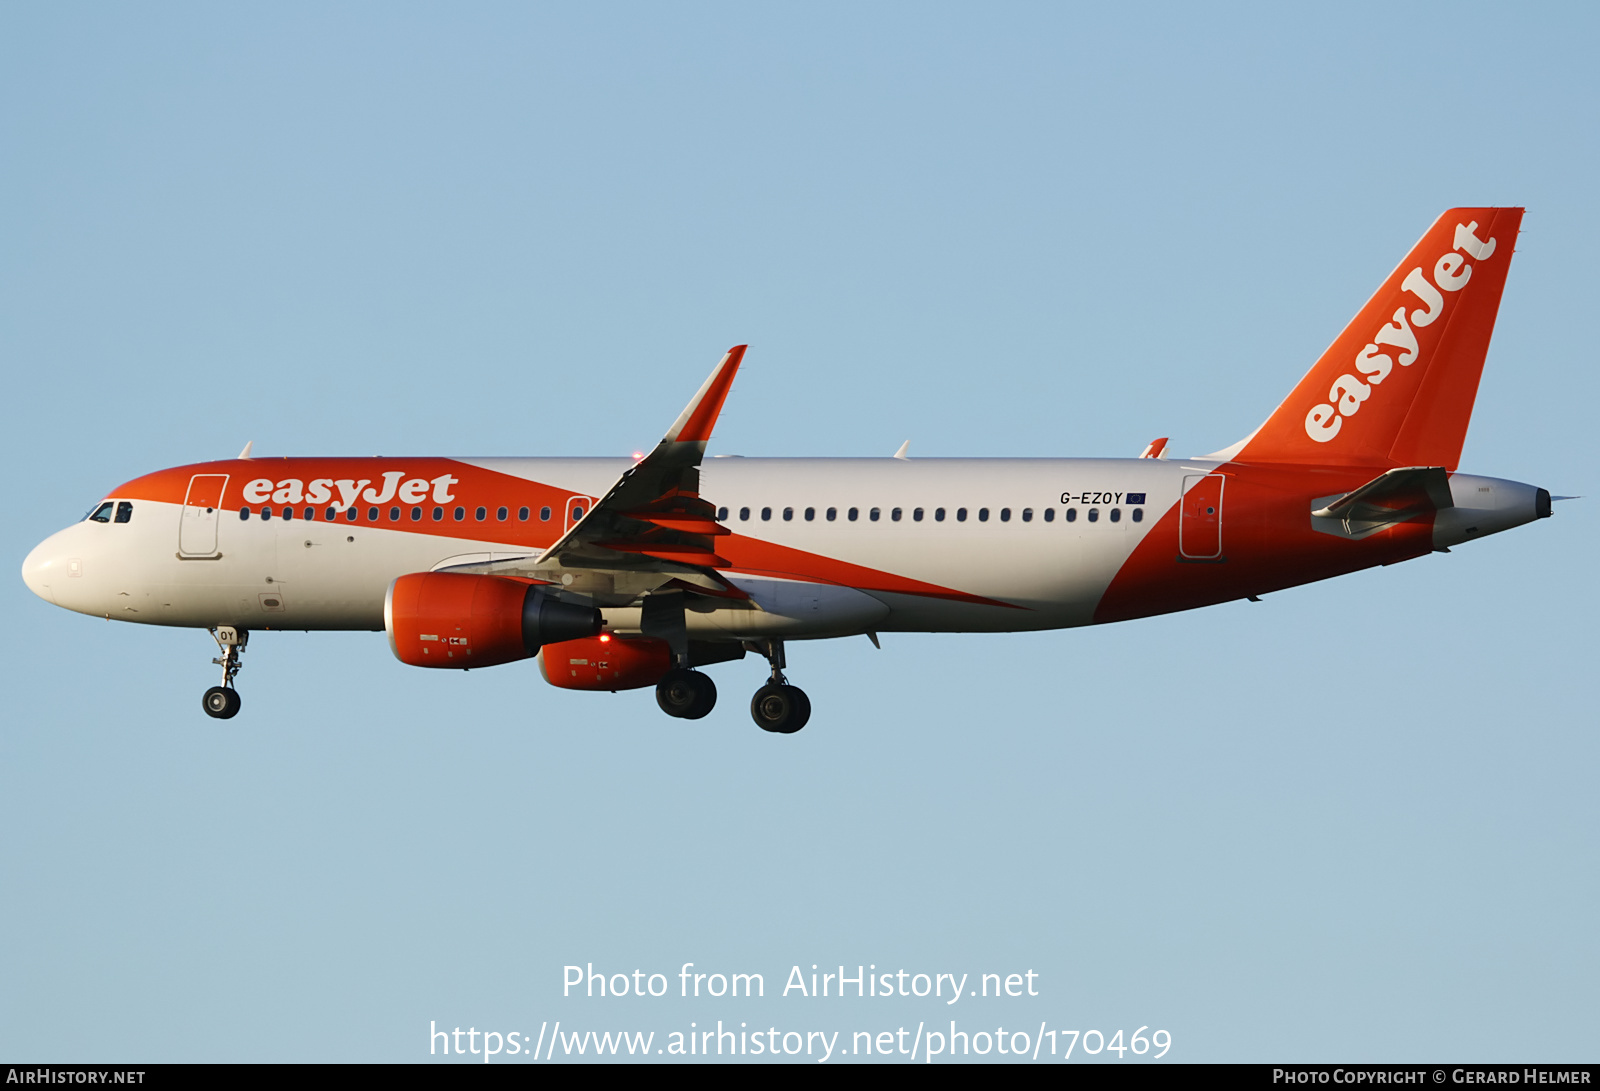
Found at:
(310, 514)
(766, 515)
(811, 514)
(1049, 515)
(961, 515)
(288, 513)
(788, 515)
(1072, 515)
(1094, 515)
(744, 515)
(1138, 515)
(372, 514)
(501, 513)
(938, 515)
(577, 512)
(266, 513)
(394, 515)
(833, 513)
(1116, 515)
(544, 515)
(350, 514)
(916, 515)
(244, 513)
(983, 515)
(522, 515)
(102, 514)
(483, 513)
(722, 515)
(331, 514)
(895, 515)
(874, 514)
(1005, 515)
(853, 514)
(124, 511)
(438, 513)
(461, 513)
(1027, 515)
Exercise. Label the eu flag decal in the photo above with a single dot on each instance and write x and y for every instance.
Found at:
(1136, 498)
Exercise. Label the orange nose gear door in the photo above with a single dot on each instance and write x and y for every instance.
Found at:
(1200, 525)
(197, 529)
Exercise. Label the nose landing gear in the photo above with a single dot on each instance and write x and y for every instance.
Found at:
(222, 702)
(777, 706)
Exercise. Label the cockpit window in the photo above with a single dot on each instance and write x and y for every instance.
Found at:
(124, 510)
(102, 514)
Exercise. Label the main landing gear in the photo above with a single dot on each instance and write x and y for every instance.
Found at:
(222, 702)
(686, 694)
(778, 706)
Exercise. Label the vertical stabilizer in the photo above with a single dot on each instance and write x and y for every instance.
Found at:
(1396, 388)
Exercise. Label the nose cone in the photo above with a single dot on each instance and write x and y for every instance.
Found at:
(44, 566)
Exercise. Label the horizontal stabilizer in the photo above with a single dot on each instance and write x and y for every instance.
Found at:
(1389, 498)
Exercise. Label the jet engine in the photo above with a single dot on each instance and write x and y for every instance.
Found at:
(460, 620)
(606, 662)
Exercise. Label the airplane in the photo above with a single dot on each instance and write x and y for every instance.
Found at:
(618, 574)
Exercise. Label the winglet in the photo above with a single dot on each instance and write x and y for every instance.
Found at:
(1156, 448)
(694, 424)
(670, 470)
(901, 453)
(246, 452)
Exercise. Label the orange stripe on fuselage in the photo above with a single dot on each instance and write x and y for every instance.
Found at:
(470, 487)
(753, 557)
(1267, 544)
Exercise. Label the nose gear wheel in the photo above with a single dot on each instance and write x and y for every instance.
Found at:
(222, 702)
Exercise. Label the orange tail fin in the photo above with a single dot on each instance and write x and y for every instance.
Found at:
(1396, 387)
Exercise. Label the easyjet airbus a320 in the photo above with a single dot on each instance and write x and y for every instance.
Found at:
(620, 574)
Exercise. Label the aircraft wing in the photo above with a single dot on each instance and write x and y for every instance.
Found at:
(653, 518)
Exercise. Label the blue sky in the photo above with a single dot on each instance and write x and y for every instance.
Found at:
(1355, 820)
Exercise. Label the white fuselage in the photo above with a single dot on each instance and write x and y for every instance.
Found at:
(821, 547)
(994, 542)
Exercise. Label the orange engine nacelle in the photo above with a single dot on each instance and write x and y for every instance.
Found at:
(461, 620)
(605, 662)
